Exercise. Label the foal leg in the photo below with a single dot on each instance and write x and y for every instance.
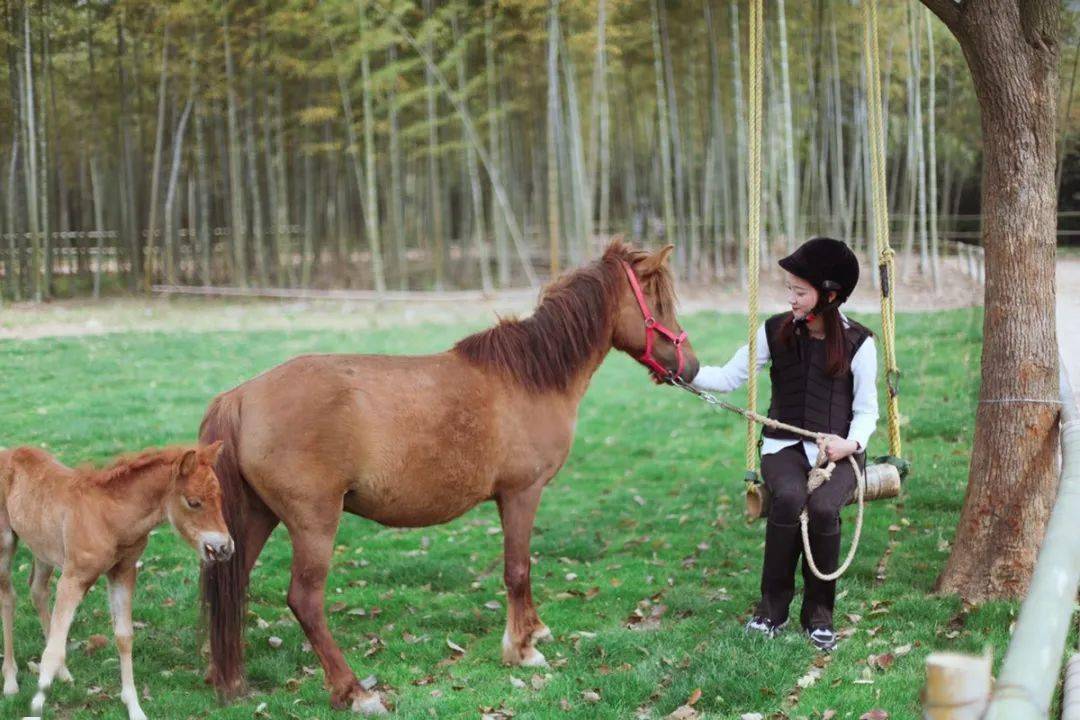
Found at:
(69, 593)
(523, 625)
(40, 577)
(313, 546)
(121, 586)
(7, 606)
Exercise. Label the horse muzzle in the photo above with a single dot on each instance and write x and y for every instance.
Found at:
(215, 547)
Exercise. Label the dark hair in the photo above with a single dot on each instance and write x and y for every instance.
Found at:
(837, 361)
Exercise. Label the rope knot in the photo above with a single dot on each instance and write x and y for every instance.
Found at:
(817, 477)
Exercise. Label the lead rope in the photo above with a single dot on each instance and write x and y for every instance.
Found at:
(819, 474)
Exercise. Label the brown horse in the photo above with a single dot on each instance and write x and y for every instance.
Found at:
(96, 522)
(415, 441)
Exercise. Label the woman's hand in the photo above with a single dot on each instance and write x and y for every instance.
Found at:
(838, 448)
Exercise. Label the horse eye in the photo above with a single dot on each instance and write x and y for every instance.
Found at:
(192, 504)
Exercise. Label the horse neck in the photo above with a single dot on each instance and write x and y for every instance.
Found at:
(142, 497)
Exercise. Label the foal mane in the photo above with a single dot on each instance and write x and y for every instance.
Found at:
(127, 466)
(545, 351)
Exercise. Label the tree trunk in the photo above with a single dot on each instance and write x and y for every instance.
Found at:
(663, 137)
(435, 228)
(1012, 50)
(791, 200)
(502, 250)
(372, 209)
(238, 219)
(931, 140)
(740, 146)
(31, 166)
(553, 120)
(396, 209)
(155, 173)
(170, 194)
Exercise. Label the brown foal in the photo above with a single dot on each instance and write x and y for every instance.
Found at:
(94, 522)
(415, 441)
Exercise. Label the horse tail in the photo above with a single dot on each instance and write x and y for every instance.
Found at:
(224, 584)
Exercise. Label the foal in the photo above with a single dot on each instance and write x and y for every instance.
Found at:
(94, 522)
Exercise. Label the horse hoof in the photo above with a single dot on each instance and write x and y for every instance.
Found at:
(369, 704)
(533, 658)
(542, 634)
(64, 675)
(38, 703)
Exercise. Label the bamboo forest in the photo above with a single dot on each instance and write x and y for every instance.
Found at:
(435, 145)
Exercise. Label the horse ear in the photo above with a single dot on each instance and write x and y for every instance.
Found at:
(210, 452)
(188, 462)
(655, 261)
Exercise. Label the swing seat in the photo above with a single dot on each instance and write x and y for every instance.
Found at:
(882, 480)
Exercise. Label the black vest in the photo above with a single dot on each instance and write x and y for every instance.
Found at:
(803, 393)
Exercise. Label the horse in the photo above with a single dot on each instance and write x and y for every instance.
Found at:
(92, 522)
(413, 441)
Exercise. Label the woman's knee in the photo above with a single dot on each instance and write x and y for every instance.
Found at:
(824, 515)
(785, 505)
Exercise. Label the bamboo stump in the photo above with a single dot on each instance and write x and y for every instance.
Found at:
(957, 686)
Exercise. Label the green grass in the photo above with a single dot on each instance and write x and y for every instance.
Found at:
(648, 506)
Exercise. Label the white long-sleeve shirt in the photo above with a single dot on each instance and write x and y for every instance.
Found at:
(864, 405)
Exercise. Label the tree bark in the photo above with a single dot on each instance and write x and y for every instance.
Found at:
(1012, 51)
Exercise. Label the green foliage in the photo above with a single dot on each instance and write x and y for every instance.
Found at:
(647, 508)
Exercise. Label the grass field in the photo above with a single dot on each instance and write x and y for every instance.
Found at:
(646, 514)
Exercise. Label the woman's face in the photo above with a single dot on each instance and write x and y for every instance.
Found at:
(801, 295)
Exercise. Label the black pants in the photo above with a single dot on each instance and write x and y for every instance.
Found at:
(785, 474)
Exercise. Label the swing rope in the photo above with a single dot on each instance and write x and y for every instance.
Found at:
(753, 240)
(880, 212)
(822, 471)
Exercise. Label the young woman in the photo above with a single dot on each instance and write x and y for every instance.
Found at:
(823, 373)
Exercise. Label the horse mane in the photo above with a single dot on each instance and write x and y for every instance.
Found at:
(544, 351)
(128, 465)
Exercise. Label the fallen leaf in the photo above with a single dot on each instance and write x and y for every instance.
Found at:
(275, 641)
(517, 682)
(881, 662)
(751, 716)
(95, 643)
(875, 714)
(828, 715)
(694, 696)
(590, 696)
(683, 712)
(454, 646)
(809, 678)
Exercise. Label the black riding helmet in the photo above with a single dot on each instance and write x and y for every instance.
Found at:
(828, 265)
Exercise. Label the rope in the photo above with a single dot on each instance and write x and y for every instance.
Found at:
(753, 240)
(886, 264)
(819, 474)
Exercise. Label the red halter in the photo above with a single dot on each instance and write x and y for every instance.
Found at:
(652, 326)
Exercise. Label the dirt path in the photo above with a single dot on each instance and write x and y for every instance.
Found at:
(199, 314)
(195, 314)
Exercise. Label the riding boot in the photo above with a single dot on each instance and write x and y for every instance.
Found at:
(782, 546)
(819, 596)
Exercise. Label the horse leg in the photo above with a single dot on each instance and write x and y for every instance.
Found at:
(121, 586)
(40, 576)
(69, 593)
(8, 540)
(523, 624)
(313, 546)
